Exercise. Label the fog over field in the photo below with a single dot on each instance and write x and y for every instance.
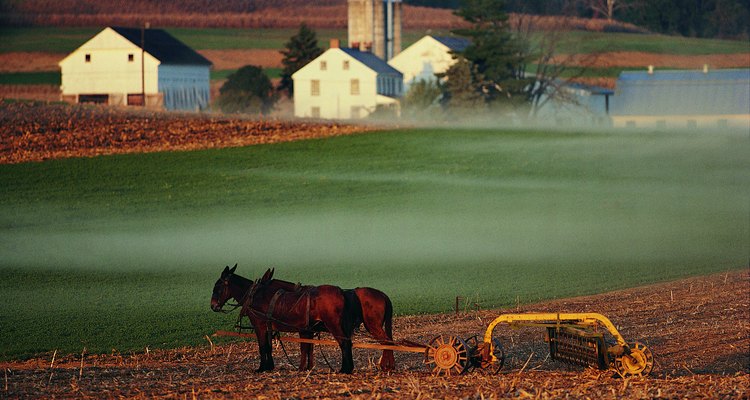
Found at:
(125, 249)
(502, 200)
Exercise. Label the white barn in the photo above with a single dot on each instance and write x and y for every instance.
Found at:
(428, 56)
(345, 83)
(111, 68)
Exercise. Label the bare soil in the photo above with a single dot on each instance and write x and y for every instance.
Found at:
(697, 328)
(37, 132)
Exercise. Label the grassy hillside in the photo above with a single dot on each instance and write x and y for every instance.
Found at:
(122, 251)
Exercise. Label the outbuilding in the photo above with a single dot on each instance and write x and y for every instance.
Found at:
(132, 66)
(428, 56)
(682, 99)
(344, 83)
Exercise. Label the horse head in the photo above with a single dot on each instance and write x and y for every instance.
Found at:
(222, 291)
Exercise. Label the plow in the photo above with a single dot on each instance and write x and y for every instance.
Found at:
(585, 339)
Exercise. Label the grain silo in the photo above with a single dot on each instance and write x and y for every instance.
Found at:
(375, 26)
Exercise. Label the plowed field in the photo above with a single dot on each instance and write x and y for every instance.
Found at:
(34, 132)
(698, 329)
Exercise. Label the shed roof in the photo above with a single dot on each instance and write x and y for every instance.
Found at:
(163, 46)
(372, 61)
(453, 43)
(716, 92)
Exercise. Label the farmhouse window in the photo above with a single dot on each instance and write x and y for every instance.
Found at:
(355, 87)
(346, 65)
(315, 87)
(323, 65)
(315, 112)
(130, 57)
(88, 57)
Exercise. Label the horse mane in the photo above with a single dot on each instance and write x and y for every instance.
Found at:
(296, 286)
(242, 280)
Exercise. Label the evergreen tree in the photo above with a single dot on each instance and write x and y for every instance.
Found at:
(461, 91)
(247, 91)
(497, 57)
(299, 51)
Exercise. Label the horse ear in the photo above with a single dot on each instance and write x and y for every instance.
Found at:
(271, 275)
(267, 275)
(226, 270)
(231, 271)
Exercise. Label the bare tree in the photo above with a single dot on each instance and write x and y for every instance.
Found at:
(552, 71)
(607, 7)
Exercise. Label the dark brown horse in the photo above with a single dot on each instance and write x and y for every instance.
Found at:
(370, 306)
(270, 308)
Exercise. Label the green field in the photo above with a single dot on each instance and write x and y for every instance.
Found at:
(65, 40)
(30, 78)
(121, 252)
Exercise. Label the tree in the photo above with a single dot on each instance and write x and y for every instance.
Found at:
(247, 91)
(495, 54)
(299, 51)
(422, 95)
(607, 7)
(462, 91)
(552, 71)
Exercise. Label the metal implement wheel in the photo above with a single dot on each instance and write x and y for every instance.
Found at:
(639, 362)
(479, 354)
(447, 355)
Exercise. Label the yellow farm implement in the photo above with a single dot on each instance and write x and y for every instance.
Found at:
(577, 338)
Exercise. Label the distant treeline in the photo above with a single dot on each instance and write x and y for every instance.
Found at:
(692, 18)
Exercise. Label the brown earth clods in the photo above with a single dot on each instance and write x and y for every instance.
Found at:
(37, 132)
(697, 328)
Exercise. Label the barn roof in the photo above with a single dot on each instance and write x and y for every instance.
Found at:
(453, 43)
(371, 61)
(716, 92)
(163, 46)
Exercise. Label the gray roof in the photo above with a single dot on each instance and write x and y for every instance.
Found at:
(163, 46)
(372, 61)
(456, 44)
(716, 92)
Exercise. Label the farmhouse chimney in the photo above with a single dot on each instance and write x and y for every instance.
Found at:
(334, 44)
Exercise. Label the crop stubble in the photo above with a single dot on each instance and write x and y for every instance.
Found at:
(698, 329)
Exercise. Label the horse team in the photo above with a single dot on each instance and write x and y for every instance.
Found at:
(274, 305)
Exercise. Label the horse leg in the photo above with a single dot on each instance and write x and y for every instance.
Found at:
(345, 343)
(306, 360)
(387, 360)
(264, 348)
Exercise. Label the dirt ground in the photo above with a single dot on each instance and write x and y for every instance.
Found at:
(697, 328)
(37, 132)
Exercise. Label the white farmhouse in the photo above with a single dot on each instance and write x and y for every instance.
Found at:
(345, 83)
(428, 56)
(119, 65)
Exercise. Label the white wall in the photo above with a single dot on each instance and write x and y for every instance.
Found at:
(422, 60)
(335, 100)
(109, 71)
